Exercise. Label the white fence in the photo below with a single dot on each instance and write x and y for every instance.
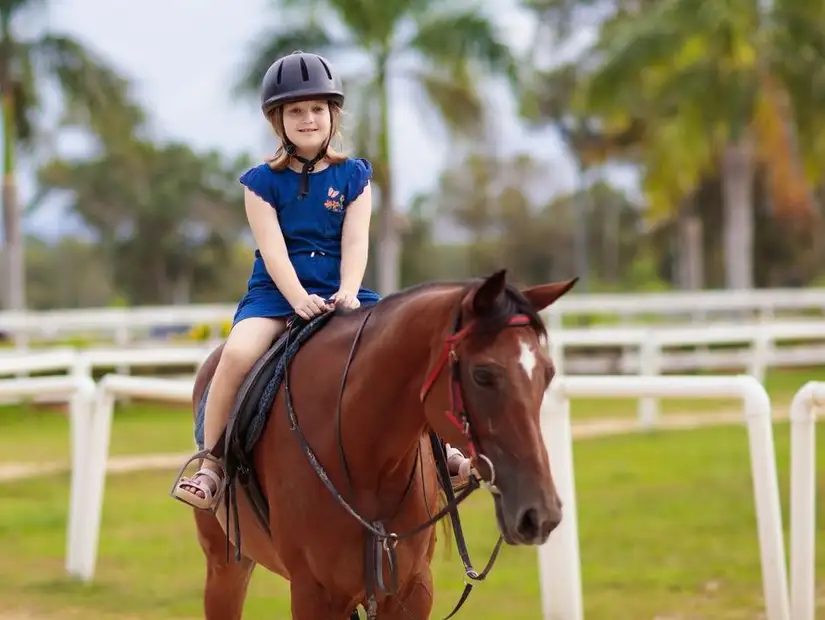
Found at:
(82, 362)
(648, 351)
(559, 558)
(809, 400)
(84, 559)
(79, 392)
(127, 324)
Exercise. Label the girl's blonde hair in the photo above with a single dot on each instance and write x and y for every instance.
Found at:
(280, 160)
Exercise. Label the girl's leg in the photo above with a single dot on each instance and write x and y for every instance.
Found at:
(248, 340)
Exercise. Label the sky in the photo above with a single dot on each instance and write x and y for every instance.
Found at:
(183, 57)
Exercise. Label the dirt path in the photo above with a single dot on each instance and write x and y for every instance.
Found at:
(11, 472)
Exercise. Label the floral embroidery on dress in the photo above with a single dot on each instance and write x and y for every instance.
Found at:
(335, 202)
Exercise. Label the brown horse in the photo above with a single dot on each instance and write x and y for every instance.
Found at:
(466, 360)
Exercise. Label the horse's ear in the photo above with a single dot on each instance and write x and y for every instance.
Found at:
(544, 295)
(484, 298)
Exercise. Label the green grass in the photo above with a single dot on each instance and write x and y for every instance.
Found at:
(666, 524)
(37, 434)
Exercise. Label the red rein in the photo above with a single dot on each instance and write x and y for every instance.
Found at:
(457, 414)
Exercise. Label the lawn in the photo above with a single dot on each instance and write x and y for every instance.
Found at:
(37, 434)
(666, 524)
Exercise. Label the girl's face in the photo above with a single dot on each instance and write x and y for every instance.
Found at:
(307, 125)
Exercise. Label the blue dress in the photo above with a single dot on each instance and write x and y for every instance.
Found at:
(312, 228)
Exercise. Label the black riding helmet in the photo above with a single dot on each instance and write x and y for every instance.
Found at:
(301, 76)
(297, 77)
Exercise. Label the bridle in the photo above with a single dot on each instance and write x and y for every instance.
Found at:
(457, 413)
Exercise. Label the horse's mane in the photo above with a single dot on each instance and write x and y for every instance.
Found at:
(507, 306)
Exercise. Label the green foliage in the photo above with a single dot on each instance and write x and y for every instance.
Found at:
(188, 204)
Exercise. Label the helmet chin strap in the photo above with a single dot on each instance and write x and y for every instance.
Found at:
(308, 164)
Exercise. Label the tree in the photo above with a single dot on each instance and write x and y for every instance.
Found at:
(714, 84)
(514, 218)
(444, 47)
(94, 96)
(164, 215)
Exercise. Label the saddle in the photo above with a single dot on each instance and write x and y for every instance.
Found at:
(249, 415)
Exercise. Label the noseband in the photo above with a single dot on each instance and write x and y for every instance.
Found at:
(457, 413)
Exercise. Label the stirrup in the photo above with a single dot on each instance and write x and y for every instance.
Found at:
(458, 483)
(211, 501)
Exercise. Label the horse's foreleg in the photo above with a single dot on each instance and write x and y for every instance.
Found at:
(226, 580)
(311, 602)
(415, 600)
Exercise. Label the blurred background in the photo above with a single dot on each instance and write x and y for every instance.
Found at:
(640, 146)
(667, 152)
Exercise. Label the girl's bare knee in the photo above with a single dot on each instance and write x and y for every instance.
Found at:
(247, 341)
(235, 360)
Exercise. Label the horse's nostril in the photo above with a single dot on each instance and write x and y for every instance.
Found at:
(527, 524)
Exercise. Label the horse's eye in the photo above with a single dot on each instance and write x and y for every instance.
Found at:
(484, 377)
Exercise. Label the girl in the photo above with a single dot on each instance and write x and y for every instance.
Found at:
(309, 209)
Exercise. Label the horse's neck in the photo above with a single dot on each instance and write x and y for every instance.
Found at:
(386, 417)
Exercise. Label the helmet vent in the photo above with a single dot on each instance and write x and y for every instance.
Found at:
(280, 73)
(326, 68)
(304, 70)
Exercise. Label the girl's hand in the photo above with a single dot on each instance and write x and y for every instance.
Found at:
(311, 306)
(345, 299)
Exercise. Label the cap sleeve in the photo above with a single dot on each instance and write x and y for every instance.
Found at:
(260, 180)
(359, 178)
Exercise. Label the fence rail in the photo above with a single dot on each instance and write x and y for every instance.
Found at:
(128, 324)
(752, 347)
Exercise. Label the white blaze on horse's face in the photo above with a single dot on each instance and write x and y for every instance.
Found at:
(527, 358)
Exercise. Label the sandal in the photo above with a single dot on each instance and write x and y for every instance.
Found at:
(206, 480)
(462, 466)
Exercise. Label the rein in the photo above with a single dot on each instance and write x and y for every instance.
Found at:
(384, 541)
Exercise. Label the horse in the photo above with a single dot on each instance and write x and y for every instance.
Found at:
(462, 361)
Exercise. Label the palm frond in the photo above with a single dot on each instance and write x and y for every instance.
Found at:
(273, 45)
(12, 8)
(95, 94)
(777, 146)
(443, 38)
(455, 96)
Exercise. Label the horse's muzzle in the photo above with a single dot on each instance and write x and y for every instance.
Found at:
(527, 513)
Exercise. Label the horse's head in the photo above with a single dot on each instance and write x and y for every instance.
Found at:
(495, 369)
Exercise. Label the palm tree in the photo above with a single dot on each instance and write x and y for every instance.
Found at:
(719, 89)
(445, 47)
(94, 96)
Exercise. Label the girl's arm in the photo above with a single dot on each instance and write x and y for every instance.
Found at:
(270, 240)
(355, 242)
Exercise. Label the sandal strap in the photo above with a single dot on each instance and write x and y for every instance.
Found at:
(210, 474)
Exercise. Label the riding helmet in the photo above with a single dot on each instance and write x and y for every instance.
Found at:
(297, 77)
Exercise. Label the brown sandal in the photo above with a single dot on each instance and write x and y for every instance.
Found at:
(185, 489)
